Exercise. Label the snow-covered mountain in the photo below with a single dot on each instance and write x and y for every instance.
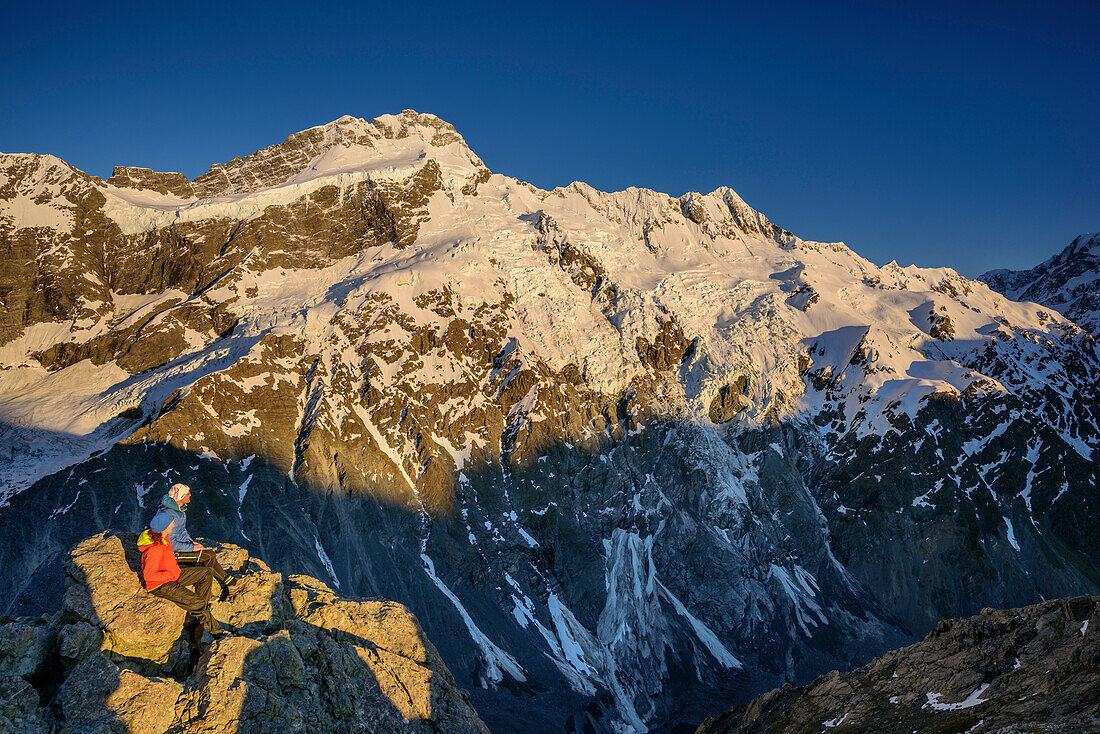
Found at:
(628, 457)
(1069, 282)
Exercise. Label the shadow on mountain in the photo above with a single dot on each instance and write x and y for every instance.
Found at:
(726, 557)
(359, 545)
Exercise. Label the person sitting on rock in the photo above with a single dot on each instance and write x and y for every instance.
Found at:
(162, 576)
(186, 549)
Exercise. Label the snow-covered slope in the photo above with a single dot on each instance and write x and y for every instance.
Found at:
(639, 449)
(1068, 282)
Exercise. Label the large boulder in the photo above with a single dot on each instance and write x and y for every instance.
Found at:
(19, 707)
(301, 659)
(98, 696)
(261, 606)
(25, 646)
(103, 590)
(387, 638)
(27, 653)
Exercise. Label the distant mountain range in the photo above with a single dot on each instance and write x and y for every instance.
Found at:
(1068, 282)
(629, 458)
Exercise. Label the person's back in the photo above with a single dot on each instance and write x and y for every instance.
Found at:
(158, 562)
(187, 549)
(175, 504)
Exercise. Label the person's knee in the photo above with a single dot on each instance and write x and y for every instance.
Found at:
(193, 604)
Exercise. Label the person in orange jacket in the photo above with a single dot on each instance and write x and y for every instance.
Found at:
(163, 577)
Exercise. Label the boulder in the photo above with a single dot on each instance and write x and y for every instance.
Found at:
(301, 659)
(388, 639)
(100, 696)
(103, 590)
(19, 707)
(25, 646)
(261, 606)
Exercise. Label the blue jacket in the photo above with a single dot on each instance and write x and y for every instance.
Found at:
(181, 540)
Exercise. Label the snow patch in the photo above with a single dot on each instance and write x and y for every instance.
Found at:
(325, 560)
(974, 699)
(497, 661)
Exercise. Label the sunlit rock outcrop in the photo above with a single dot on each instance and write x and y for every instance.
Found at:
(300, 658)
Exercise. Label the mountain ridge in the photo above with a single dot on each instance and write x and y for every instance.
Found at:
(988, 673)
(1068, 282)
(603, 445)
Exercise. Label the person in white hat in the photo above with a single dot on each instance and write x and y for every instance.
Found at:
(186, 549)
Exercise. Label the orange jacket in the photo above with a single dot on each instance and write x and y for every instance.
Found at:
(158, 562)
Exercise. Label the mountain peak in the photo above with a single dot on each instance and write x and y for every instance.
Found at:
(277, 164)
(1066, 282)
(342, 152)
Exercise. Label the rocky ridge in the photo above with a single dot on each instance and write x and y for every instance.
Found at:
(1034, 669)
(623, 454)
(300, 658)
(1069, 282)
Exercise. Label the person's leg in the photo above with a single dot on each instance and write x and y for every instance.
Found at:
(208, 558)
(196, 634)
(198, 577)
(187, 600)
(173, 592)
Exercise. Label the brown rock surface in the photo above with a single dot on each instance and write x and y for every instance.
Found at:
(1018, 670)
(104, 591)
(98, 696)
(729, 401)
(301, 658)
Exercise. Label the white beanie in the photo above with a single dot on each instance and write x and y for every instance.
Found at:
(179, 491)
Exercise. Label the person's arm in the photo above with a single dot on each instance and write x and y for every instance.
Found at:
(181, 539)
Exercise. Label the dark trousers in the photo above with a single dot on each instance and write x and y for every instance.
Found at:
(207, 558)
(196, 602)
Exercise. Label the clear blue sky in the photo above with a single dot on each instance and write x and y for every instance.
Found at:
(963, 134)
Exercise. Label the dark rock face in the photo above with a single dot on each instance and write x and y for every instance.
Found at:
(625, 456)
(146, 179)
(1031, 669)
(302, 658)
(1069, 282)
(729, 401)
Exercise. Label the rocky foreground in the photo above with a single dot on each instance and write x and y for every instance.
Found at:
(301, 659)
(1035, 669)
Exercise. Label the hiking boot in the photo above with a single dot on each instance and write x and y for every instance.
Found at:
(232, 588)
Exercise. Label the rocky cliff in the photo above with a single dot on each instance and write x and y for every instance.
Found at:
(300, 658)
(1035, 669)
(626, 456)
(1069, 282)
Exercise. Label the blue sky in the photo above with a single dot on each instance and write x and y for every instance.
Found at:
(963, 134)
